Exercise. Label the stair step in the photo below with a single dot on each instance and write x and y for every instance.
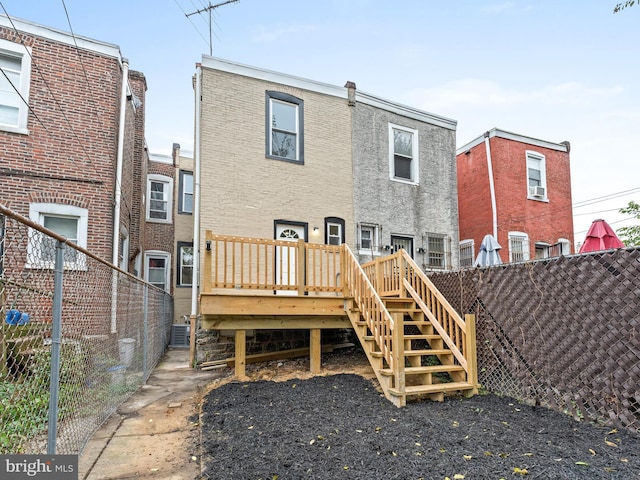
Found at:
(432, 351)
(415, 353)
(423, 336)
(401, 310)
(417, 323)
(425, 369)
(434, 388)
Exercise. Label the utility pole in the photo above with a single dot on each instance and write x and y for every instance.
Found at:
(209, 8)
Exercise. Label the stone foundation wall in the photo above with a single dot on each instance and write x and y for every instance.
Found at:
(220, 344)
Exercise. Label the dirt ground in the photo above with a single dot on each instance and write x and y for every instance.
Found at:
(285, 424)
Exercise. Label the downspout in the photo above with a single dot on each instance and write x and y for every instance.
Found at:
(492, 190)
(118, 194)
(196, 216)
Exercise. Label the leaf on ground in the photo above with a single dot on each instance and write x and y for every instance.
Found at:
(528, 454)
(467, 457)
(611, 432)
(456, 424)
(487, 453)
(611, 444)
(592, 451)
(521, 471)
(583, 464)
(442, 450)
(458, 476)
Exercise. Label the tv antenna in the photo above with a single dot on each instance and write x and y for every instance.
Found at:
(209, 9)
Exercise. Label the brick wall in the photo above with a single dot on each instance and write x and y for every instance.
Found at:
(69, 154)
(543, 221)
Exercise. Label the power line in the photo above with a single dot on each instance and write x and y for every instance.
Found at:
(611, 196)
(595, 213)
(208, 9)
(62, 110)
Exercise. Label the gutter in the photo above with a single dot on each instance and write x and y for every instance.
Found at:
(118, 194)
(196, 215)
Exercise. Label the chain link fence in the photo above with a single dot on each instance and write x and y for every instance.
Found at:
(77, 338)
(562, 333)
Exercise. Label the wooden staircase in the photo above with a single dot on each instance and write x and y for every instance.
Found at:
(418, 346)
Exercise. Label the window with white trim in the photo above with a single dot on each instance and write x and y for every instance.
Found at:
(185, 264)
(65, 220)
(159, 193)
(565, 246)
(369, 243)
(157, 269)
(334, 230)
(543, 250)
(403, 154)
(518, 247)
(437, 251)
(284, 129)
(15, 77)
(536, 176)
(562, 247)
(185, 193)
(467, 250)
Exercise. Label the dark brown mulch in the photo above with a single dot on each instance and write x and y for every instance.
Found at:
(340, 427)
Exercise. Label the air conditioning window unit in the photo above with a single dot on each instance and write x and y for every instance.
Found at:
(536, 192)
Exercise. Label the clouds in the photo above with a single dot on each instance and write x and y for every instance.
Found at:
(478, 93)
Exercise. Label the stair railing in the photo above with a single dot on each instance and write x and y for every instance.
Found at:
(379, 320)
(458, 334)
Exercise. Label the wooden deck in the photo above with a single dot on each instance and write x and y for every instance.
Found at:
(403, 323)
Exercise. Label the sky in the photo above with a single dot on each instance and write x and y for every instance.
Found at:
(550, 70)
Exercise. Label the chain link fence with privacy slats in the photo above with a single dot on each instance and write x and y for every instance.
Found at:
(562, 333)
(112, 330)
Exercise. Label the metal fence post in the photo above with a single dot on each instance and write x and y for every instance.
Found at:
(56, 330)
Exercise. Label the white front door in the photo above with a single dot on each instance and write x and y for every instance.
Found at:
(286, 263)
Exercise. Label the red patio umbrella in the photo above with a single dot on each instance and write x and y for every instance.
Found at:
(600, 237)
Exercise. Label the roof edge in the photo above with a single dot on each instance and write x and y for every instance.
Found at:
(60, 36)
(496, 132)
(272, 76)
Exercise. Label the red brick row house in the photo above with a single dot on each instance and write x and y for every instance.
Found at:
(518, 189)
(73, 155)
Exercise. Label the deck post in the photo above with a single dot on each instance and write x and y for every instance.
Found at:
(470, 351)
(241, 354)
(315, 350)
(302, 266)
(207, 281)
(397, 354)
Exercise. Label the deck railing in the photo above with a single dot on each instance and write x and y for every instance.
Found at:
(243, 263)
